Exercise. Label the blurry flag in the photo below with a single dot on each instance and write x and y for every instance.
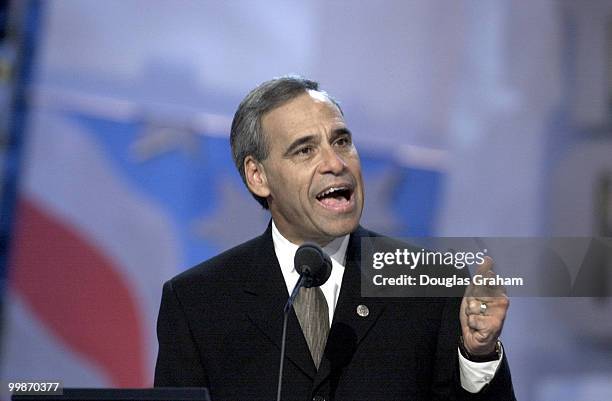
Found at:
(107, 211)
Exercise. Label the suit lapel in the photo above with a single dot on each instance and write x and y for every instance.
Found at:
(265, 286)
(348, 327)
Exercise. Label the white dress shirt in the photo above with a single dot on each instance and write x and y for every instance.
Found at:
(285, 252)
(473, 375)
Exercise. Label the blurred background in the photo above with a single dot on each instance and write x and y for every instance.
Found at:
(472, 118)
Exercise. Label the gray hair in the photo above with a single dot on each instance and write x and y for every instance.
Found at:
(247, 137)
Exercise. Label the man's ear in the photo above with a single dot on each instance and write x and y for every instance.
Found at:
(255, 175)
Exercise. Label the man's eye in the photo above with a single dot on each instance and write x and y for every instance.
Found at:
(306, 150)
(344, 141)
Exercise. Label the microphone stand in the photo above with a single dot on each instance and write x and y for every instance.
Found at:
(287, 308)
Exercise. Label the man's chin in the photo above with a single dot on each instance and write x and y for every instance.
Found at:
(340, 229)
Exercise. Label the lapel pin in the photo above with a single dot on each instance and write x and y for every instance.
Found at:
(363, 310)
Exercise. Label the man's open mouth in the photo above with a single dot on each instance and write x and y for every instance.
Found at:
(338, 197)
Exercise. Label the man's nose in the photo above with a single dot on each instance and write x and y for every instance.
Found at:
(331, 162)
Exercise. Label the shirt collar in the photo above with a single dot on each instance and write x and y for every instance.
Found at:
(285, 250)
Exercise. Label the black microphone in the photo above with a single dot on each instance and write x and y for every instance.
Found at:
(313, 264)
(314, 267)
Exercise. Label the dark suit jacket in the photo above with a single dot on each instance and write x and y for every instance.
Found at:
(220, 326)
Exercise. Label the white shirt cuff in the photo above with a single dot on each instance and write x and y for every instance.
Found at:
(475, 375)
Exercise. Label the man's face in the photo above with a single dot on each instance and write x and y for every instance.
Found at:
(312, 173)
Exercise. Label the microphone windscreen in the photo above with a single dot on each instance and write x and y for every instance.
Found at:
(313, 263)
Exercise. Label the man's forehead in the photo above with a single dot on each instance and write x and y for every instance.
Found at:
(310, 108)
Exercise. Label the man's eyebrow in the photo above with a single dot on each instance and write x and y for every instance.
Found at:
(341, 131)
(298, 142)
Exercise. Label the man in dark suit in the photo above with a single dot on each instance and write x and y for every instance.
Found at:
(220, 323)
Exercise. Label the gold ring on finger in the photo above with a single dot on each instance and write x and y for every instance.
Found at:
(483, 308)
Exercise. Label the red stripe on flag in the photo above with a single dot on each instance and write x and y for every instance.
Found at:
(78, 294)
